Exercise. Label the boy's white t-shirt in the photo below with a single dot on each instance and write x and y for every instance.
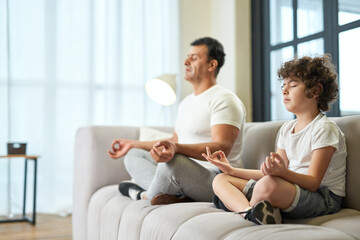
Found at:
(197, 114)
(320, 133)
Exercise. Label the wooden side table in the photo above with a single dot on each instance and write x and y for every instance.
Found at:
(24, 217)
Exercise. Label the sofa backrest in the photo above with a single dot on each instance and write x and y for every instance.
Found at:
(260, 139)
(350, 126)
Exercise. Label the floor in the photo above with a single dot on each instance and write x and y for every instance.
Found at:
(47, 227)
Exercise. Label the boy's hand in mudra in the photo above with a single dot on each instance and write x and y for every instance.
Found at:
(218, 159)
(274, 165)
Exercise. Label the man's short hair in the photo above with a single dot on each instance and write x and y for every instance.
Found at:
(215, 51)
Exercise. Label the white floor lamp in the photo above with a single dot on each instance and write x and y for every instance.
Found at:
(162, 90)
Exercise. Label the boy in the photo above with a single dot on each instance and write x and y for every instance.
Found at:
(306, 175)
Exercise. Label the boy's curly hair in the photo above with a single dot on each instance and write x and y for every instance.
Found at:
(317, 71)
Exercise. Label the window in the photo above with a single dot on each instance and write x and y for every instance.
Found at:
(283, 29)
(67, 64)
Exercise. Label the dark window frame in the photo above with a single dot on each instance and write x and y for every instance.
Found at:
(261, 49)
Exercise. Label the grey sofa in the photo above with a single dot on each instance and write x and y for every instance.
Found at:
(101, 212)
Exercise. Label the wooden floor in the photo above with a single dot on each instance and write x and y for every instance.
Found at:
(47, 227)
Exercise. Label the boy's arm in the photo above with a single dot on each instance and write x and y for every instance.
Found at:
(311, 181)
(219, 159)
(247, 174)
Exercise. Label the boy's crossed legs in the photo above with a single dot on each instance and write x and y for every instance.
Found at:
(254, 200)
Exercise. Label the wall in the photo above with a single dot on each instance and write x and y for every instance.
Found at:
(229, 22)
(243, 54)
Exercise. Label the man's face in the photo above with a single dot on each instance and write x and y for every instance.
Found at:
(196, 63)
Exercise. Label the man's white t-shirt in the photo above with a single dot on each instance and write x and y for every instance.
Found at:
(320, 133)
(197, 114)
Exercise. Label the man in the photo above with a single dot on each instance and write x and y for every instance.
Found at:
(174, 170)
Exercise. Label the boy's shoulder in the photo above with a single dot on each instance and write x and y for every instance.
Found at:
(288, 124)
(321, 122)
(324, 121)
(325, 126)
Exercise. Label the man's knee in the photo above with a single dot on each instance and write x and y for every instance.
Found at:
(131, 154)
(175, 167)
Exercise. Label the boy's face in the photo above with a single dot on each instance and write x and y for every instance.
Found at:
(294, 96)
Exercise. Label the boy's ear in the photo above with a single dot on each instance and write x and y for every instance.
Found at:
(317, 90)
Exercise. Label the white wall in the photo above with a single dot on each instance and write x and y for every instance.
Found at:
(223, 29)
(194, 23)
(243, 54)
(229, 22)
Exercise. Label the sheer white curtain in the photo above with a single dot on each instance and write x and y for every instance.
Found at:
(66, 64)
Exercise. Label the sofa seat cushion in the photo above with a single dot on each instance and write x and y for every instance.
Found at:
(345, 212)
(113, 216)
(213, 225)
(163, 222)
(105, 210)
(287, 231)
(348, 224)
(133, 218)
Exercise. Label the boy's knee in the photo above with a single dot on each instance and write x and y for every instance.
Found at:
(265, 188)
(218, 181)
(220, 178)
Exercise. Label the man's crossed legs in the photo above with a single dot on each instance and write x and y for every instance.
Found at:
(182, 179)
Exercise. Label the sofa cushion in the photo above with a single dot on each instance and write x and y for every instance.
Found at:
(213, 225)
(133, 218)
(163, 222)
(350, 126)
(105, 210)
(287, 231)
(347, 224)
(345, 212)
(254, 139)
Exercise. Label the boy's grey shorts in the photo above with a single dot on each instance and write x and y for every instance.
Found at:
(306, 204)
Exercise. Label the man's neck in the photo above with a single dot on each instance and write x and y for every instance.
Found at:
(202, 86)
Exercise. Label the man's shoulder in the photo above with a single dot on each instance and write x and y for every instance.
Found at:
(187, 98)
(219, 88)
(220, 93)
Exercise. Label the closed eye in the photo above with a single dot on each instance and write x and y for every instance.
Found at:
(291, 83)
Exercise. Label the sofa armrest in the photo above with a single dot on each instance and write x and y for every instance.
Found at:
(93, 168)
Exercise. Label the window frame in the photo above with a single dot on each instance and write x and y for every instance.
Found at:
(261, 49)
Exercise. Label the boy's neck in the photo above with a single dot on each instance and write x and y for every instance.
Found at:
(304, 119)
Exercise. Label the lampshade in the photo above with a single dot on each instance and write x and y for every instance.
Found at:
(162, 89)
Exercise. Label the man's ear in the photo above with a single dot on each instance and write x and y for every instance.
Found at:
(213, 65)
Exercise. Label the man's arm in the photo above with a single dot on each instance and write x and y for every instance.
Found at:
(223, 137)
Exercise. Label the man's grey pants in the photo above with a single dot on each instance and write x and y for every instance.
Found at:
(181, 175)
